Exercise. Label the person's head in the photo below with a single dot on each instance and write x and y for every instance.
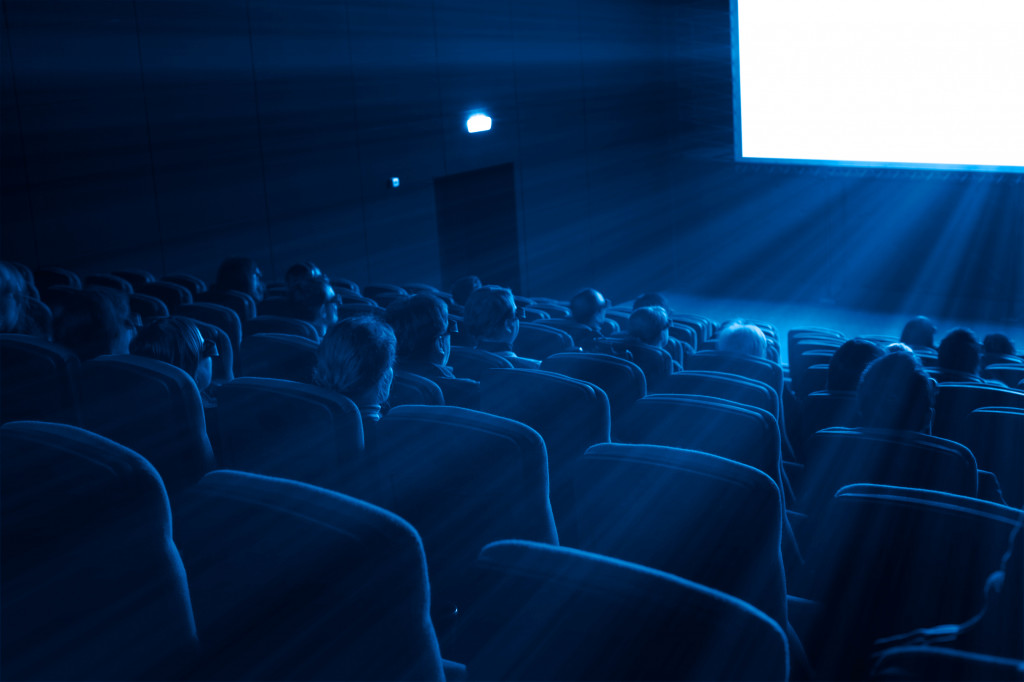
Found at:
(896, 393)
(588, 307)
(464, 287)
(313, 300)
(420, 324)
(652, 299)
(960, 351)
(491, 314)
(898, 347)
(12, 291)
(241, 274)
(357, 359)
(849, 362)
(87, 322)
(650, 325)
(919, 332)
(748, 339)
(301, 272)
(999, 344)
(177, 341)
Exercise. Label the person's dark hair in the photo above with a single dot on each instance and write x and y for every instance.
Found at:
(301, 272)
(849, 362)
(87, 322)
(999, 344)
(240, 274)
(586, 305)
(463, 287)
(920, 332)
(417, 322)
(355, 357)
(650, 300)
(895, 393)
(12, 293)
(174, 340)
(960, 351)
(487, 311)
(309, 296)
(647, 324)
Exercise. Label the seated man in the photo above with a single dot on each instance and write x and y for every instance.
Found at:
(356, 359)
(919, 333)
(423, 331)
(177, 341)
(462, 289)
(960, 359)
(676, 348)
(241, 274)
(492, 319)
(896, 393)
(589, 308)
(313, 300)
(649, 326)
(744, 339)
(848, 364)
(301, 272)
(998, 348)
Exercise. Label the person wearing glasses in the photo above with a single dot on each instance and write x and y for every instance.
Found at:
(492, 319)
(313, 300)
(424, 330)
(177, 341)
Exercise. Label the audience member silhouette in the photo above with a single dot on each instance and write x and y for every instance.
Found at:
(12, 292)
(960, 358)
(743, 339)
(177, 341)
(241, 274)
(998, 348)
(313, 299)
(88, 323)
(301, 272)
(462, 289)
(676, 348)
(423, 331)
(849, 362)
(652, 299)
(356, 359)
(492, 319)
(589, 307)
(919, 333)
(896, 393)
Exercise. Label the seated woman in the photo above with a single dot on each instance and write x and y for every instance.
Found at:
(177, 341)
(492, 319)
(356, 358)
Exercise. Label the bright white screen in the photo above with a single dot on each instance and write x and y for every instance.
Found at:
(881, 81)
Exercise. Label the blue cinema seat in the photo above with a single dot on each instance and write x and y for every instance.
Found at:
(37, 380)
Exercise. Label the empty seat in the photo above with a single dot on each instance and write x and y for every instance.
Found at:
(412, 389)
(37, 380)
(722, 385)
(109, 281)
(569, 414)
(278, 356)
(1010, 373)
(273, 324)
(293, 582)
(621, 380)
(553, 613)
(53, 276)
(462, 479)
(689, 513)
(955, 402)
(194, 284)
(153, 408)
(470, 363)
(173, 295)
(928, 663)
(292, 430)
(240, 302)
(823, 409)
(146, 306)
(996, 438)
(346, 284)
(538, 341)
(815, 378)
(840, 456)
(92, 584)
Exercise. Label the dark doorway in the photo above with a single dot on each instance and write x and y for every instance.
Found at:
(476, 226)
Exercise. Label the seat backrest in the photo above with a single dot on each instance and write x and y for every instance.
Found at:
(273, 324)
(221, 316)
(109, 281)
(538, 341)
(555, 613)
(153, 408)
(171, 293)
(815, 378)
(146, 306)
(224, 363)
(924, 663)
(838, 456)
(695, 515)
(37, 380)
(284, 428)
(996, 438)
(242, 303)
(293, 582)
(569, 414)
(720, 427)
(194, 284)
(92, 584)
(278, 356)
(471, 363)
(955, 402)
(412, 389)
(581, 334)
(823, 409)
(888, 560)
(135, 277)
(1010, 373)
(347, 310)
(809, 352)
(277, 304)
(463, 478)
(621, 380)
(655, 362)
(722, 385)
(753, 368)
(54, 276)
(554, 310)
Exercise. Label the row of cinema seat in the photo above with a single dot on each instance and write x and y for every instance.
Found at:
(426, 464)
